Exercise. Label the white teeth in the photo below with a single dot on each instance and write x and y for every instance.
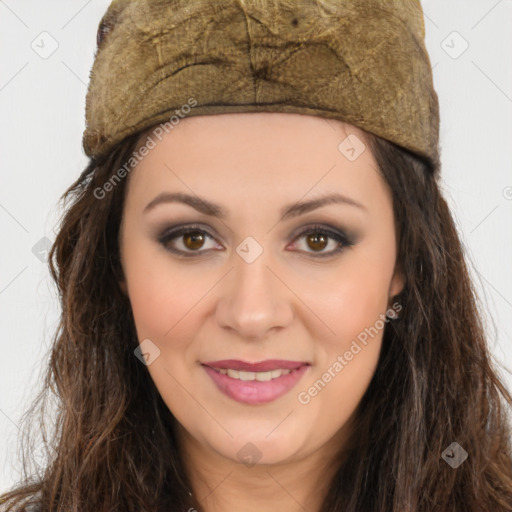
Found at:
(259, 376)
(246, 375)
(264, 376)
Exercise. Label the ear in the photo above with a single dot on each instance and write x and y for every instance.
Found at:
(123, 287)
(119, 269)
(397, 282)
(120, 277)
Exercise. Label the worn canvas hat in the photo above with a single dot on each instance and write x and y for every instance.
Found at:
(363, 62)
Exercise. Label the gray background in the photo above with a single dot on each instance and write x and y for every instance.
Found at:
(42, 101)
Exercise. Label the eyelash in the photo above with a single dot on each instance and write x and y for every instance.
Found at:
(331, 233)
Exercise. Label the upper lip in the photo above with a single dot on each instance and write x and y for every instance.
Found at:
(262, 366)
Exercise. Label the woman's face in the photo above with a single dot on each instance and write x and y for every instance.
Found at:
(266, 272)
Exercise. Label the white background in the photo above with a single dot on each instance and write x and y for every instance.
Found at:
(42, 103)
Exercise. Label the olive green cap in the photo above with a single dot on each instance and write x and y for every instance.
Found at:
(363, 62)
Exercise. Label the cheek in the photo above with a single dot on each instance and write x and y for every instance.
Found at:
(164, 304)
(351, 306)
(347, 352)
(162, 296)
(350, 299)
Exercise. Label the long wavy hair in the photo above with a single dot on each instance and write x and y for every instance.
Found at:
(112, 445)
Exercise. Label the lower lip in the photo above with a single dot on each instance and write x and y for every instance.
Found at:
(255, 392)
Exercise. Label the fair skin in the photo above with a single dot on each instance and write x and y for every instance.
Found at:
(287, 304)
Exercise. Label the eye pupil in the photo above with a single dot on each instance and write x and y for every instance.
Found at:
(194, 238)
(317, 239)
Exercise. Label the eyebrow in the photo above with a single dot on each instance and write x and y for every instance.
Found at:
(214, 210)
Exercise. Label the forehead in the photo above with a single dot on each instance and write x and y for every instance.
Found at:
(257, 153)
(261, 127)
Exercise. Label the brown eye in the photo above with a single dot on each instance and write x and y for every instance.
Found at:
(321, 241)
(190, 241)
(193, 240)
(318, 242)
(187, 241)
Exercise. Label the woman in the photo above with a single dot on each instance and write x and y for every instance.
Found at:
(265, 300)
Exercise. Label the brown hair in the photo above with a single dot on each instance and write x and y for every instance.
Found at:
(113, 446)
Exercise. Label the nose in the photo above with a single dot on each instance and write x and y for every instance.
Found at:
(254, 299)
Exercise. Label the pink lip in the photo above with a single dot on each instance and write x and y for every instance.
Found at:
(256, 392)
(262, 366)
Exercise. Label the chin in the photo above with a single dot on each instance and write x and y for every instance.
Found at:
(257, 448)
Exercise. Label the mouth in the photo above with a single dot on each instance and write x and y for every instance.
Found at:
(262, 371)
(255, 383)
